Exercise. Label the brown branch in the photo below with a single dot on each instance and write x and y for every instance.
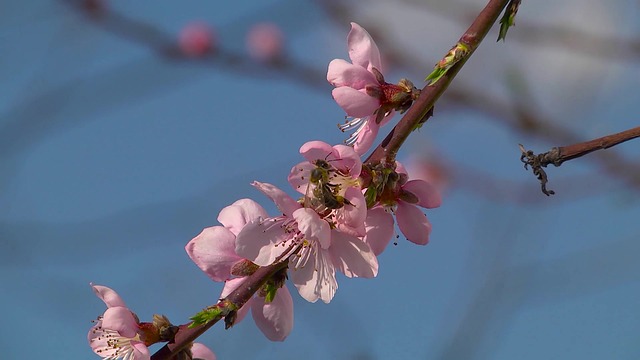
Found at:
(420, 110)
(559, 155)
(235, 300)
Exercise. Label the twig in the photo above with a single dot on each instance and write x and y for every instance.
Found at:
(235, 300)
(559, 155)
(418, 113)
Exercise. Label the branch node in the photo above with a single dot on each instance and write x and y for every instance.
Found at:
(537, 162)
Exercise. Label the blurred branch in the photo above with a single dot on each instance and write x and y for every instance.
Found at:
(559, 155)
(28, 115)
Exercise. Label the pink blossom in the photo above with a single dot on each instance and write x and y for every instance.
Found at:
(201, 352)
(358, 90)
(431, 170)
(403, 202)
(343, 171)
(265, 42)
(314, 249)
(362, 92)
(274, 319)
(213, 251)
(196, 39)
(116, 334)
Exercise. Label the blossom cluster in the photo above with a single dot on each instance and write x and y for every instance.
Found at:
(344, 216)
(119, 334)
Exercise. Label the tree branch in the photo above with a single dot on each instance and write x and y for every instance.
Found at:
(234, 301)
(559, 155)
(418, 113)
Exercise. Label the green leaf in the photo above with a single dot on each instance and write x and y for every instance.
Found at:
(205, 316)
(270, 291)
(508, 18)
(436, 74)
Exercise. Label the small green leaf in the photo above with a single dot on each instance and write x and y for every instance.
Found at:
(508, 18)
(370, 196)
(205, 316)
(435, 75)
(270, 291)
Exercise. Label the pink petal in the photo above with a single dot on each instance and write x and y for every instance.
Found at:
(317, 150)
(363, 50)
(413, 223)
(201, 352)
(317, 279)
(401, 169)
(350, 218)
(236, 215)
(428, 195)
(140, 351)
(341, 73)
(366, 137)
(284, 202)
(349, 160)
(352, 256)
(274, 319)
(231, 286)
(299, 176)
(109, 296)
(379, 229)
(257, 242)
(120, 319)
(313, 227)
(354, 102)
(214, 252)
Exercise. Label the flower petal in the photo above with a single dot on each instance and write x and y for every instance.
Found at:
(379, 229)
(317, 279)
(299, 176)
(201, 352)
(108, 295)
(257, 242)
(342, 73)
(352, 256)
(356, 103)
(317, 150)
(366, 137)
(350, 218)
(284, 202)
(120, 319)
(236, 215)
(274, 319)
(313, 227)
(413, 223)
(140, 351)
(428, 196)
(214, 252)
(363, 50)
(349, 161)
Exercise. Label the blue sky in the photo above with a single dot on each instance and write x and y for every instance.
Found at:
(113, 156)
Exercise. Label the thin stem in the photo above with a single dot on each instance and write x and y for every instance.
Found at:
(418, 112)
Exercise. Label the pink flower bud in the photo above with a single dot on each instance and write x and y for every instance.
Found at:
(196, 39)
(265, 42)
